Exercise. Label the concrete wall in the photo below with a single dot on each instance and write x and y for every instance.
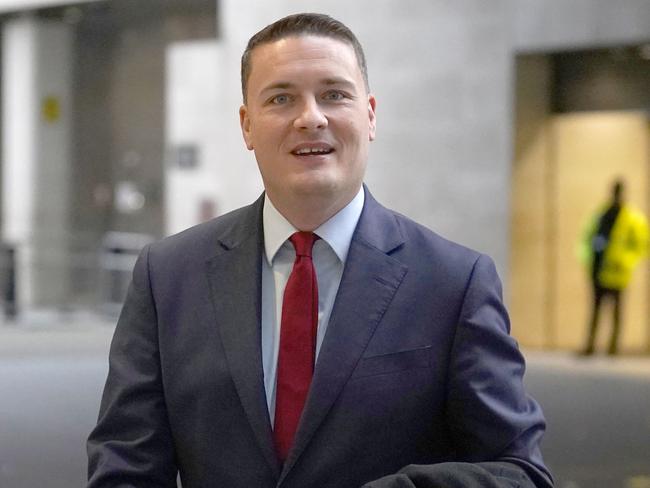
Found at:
(193, 174)
(556, 25)
(37, 58)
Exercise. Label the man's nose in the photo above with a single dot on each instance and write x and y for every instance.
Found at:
(310, 117)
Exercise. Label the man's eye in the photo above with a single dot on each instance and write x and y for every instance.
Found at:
(334, 95)
(280, 99)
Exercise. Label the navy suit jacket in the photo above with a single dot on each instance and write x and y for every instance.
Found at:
(417, 383)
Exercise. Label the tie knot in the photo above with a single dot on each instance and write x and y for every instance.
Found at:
(303, 242)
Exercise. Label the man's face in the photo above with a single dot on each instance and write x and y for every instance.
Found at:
(309, 118)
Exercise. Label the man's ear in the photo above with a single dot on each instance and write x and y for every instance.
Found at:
(372, 117)
(245, 124)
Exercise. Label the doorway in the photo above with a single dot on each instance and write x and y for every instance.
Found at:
(556, 191)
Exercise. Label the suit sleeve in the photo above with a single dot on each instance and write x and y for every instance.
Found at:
(496, 427)
(131, 446)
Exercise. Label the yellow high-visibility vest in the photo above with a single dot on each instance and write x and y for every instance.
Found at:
(628, 244)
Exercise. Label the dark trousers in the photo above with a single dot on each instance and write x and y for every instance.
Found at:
(600, 294)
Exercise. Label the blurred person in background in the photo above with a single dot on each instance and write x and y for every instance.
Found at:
(613, 243)
(314, 338)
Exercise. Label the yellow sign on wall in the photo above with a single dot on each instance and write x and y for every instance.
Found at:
(51, 109)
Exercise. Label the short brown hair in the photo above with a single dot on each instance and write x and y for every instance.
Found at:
(301, 25)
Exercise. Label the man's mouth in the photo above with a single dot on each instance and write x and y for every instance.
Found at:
(312, 150)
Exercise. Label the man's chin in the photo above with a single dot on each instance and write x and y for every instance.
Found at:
(314, 187)
(326, 191)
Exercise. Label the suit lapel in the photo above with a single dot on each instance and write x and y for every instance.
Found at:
(235, 279)
(369, 282)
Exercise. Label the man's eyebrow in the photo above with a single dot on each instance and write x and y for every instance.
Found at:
(338, 81)
(279, 85)
(285, 85)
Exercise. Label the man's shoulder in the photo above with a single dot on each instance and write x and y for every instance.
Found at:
(432, 258)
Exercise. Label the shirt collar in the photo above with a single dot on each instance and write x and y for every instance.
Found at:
(337, 231)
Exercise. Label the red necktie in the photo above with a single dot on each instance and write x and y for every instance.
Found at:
(297, 343)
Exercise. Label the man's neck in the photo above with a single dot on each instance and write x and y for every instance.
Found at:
(307, 214)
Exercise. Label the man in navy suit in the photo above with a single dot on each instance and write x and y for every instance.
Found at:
(407, 375)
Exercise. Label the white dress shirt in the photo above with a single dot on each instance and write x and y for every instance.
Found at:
(329, 255)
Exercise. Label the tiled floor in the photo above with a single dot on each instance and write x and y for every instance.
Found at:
(624, 365)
